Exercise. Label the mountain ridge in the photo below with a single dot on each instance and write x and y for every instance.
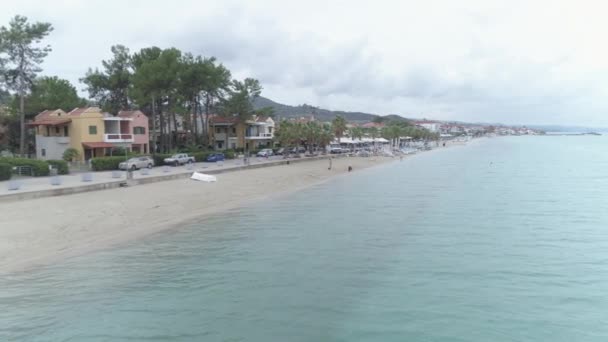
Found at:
(283, 111)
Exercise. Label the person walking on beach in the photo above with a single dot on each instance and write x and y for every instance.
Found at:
(329, 168)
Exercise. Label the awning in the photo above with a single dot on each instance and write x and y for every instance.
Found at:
(49, 122)
(97, 144)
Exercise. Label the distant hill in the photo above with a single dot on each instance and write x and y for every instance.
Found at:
(285, 112)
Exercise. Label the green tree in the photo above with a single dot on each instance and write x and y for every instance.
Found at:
(311, 134)
(326, 136)
(284, 133)
(215, 89)
(356, 133)
(240, 102)
(191, 79)
(51, 93)
(70, 154)
(378, 119)
(156, 82)
(339, 127)
(20, 57)
(265, 111)
(110, 87)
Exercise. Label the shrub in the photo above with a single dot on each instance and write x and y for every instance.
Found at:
(106, 163)
(70, 154)
(118, 151)
(230, 154)
(39, 167)
(201, 156)
(60, 165)
(6, 171)
(159, 158)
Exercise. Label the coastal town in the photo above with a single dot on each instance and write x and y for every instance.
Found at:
(159, 137)
(89, 139)
(154, 103)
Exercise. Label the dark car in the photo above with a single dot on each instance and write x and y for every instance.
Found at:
(215, 157)
(297, 150)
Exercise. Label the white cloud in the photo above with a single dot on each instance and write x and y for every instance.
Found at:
(497, 61)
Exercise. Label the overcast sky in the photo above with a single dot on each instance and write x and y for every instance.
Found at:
(493, 61)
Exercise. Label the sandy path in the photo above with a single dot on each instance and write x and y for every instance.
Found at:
(42, 231)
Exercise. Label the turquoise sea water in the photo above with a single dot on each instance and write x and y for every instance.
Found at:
(502, 240)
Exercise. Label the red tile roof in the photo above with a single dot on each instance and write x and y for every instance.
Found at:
(130, 113)
(44, 114)
(222, 119)
(49, 122)
(77, 111)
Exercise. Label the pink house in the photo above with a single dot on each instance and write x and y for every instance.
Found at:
(139, 128)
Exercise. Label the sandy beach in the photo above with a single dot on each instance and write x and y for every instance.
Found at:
(43, 231)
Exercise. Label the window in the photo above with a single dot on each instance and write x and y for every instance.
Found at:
(43, 152)
(57, 130)
(92, 130)
(139, 130)
(65, 131)
(233, 130)
(218, 130)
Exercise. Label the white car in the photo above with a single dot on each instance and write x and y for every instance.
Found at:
(137, 163)
(179, 159)
(265, 153)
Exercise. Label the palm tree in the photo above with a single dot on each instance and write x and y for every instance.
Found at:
(326, 135)
(312, 132)
(356, 133)
(339, 126)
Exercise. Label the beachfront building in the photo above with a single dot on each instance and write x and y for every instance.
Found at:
(229, 133)
(89, 131)
(431, 126)
(139, 127)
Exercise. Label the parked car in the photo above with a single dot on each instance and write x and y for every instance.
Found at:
(280, 151)
(300, 149)
(336, 150)
(215, 157)
(265, 153)
(179, 159)
(136, 163)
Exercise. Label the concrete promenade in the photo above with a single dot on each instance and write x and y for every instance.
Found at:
(37, 187)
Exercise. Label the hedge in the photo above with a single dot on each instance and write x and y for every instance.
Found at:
(159, 159)
(230, 154)
(201, 156)
(106, 163)
(60, 165)
(6, 171)
(39, 167)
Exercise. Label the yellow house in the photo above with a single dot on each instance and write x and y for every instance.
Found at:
(229, 133)
(87, 130)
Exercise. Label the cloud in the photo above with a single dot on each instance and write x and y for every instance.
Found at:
(497, 61)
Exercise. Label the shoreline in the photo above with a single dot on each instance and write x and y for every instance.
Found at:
(61, 227)
(42, 231)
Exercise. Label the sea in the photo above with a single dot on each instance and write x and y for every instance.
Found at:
(504, 239)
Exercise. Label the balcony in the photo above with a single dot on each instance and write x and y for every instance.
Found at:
(222, 136)
(260, 136)
(118, 138)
